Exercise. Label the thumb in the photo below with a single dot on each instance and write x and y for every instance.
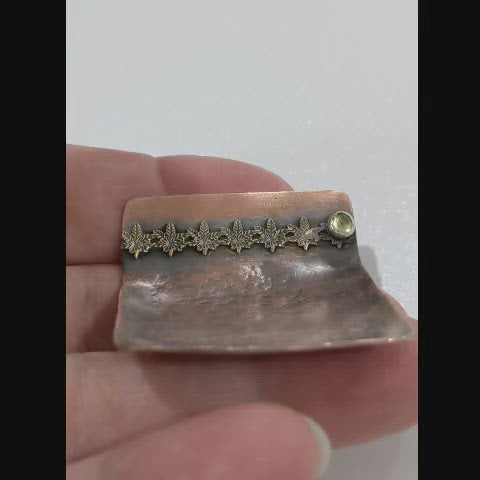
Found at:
(324, 446)
(252, 441)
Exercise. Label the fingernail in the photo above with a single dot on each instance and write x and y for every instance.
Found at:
(324, 447)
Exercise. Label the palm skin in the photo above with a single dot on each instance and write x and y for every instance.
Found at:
(143, 416)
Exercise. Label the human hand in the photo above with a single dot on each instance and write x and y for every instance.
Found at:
(143, 416)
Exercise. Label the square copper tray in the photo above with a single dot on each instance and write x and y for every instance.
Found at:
(256, 301)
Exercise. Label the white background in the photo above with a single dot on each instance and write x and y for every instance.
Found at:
(322, 92)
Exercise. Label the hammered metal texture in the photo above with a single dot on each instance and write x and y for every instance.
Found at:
(256, 301)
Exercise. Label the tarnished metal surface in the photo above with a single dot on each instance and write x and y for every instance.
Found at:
(257, 301)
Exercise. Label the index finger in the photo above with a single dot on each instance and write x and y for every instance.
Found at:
(100, 182)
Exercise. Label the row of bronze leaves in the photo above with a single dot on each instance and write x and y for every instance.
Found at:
(204, 240)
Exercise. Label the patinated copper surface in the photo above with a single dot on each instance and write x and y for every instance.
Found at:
(256, 301)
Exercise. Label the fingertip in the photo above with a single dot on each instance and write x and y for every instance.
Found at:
(324, 447)
(190, 174)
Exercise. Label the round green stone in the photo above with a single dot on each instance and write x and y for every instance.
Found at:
(341, 225)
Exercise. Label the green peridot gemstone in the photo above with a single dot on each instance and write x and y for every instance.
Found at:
(341, 225)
